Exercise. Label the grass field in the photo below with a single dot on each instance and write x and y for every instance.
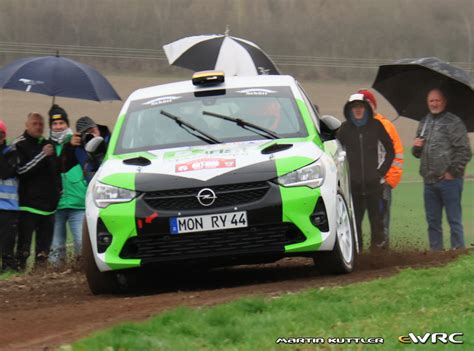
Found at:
(417, 301)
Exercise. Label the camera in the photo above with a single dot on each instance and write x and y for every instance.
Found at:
(86, 137)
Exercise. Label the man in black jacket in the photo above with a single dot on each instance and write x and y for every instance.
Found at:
(39, 191)
(361, 135)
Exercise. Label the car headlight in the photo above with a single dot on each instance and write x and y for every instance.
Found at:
(311, 176)
(104, 195)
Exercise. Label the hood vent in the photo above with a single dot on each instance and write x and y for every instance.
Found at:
(276, 148)
(137, 161)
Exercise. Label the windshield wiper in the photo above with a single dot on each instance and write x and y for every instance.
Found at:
(185, 125)
(266, 133)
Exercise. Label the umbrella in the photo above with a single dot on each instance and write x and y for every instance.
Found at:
(234, 56)
(406, 83)
(56, 76)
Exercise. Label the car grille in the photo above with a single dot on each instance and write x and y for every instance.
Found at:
(227, 195)
(252, 240)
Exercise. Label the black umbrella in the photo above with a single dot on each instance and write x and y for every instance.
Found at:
(406, 83)
(234, 56)
(57, 76)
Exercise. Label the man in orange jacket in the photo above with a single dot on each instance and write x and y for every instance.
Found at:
(394, 174)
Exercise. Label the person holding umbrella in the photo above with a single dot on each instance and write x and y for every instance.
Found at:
(394, 174)
(360, 135)
(72, 202)
(441, 141)
(39, 191)
(443, 147)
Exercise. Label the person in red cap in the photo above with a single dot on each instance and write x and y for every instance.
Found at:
(8, 201)
(394, 174)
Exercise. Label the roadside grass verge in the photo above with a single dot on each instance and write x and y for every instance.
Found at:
(415, 300)
(8, 275)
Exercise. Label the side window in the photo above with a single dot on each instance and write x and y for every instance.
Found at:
(312, 110)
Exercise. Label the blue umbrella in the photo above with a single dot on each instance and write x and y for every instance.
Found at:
(57, 76)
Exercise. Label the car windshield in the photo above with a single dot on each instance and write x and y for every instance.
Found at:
(272, 108)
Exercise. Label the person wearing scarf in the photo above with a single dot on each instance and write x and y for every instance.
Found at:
(72, 202)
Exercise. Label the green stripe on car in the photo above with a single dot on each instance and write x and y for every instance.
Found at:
(298, 204)
(119, 218)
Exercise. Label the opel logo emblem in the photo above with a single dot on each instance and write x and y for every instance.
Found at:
(206, 197)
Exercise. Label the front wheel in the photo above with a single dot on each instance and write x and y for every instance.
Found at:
(341, 259)
(99, 282)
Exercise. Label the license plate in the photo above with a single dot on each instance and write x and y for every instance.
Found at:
(217, 221)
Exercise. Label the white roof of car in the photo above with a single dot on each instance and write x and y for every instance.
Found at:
(230, 83)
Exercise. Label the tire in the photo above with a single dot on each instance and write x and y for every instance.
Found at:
(99, 282)
(342, 258)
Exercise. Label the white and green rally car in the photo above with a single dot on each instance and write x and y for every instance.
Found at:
(218, 171)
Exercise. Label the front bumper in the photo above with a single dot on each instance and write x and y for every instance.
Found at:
(278, 218)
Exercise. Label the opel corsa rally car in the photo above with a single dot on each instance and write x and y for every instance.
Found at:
(218, 171)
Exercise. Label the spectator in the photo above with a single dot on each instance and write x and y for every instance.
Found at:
(8, 201)
(72, 202)
(360, 135)
(39, 191)
(394, 174)
(90, 144)
(443, 146)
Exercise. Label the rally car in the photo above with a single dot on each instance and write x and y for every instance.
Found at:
(219, 171)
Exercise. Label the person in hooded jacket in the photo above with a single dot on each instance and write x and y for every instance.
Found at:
(71, 205)
(360, 134)
(394, 174)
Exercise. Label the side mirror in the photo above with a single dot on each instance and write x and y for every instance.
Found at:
(331, 122)
(329, 127)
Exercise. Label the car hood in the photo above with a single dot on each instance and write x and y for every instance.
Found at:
(238, 162)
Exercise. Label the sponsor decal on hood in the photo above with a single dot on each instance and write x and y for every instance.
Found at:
(205, 163)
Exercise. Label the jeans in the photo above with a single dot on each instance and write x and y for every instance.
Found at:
(75, 218)
(43, 227)
(444, 193)
(387, 202)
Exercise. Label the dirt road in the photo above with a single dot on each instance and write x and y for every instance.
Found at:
(46, 310)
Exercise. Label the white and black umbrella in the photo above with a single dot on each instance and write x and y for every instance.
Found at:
(234, 56)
